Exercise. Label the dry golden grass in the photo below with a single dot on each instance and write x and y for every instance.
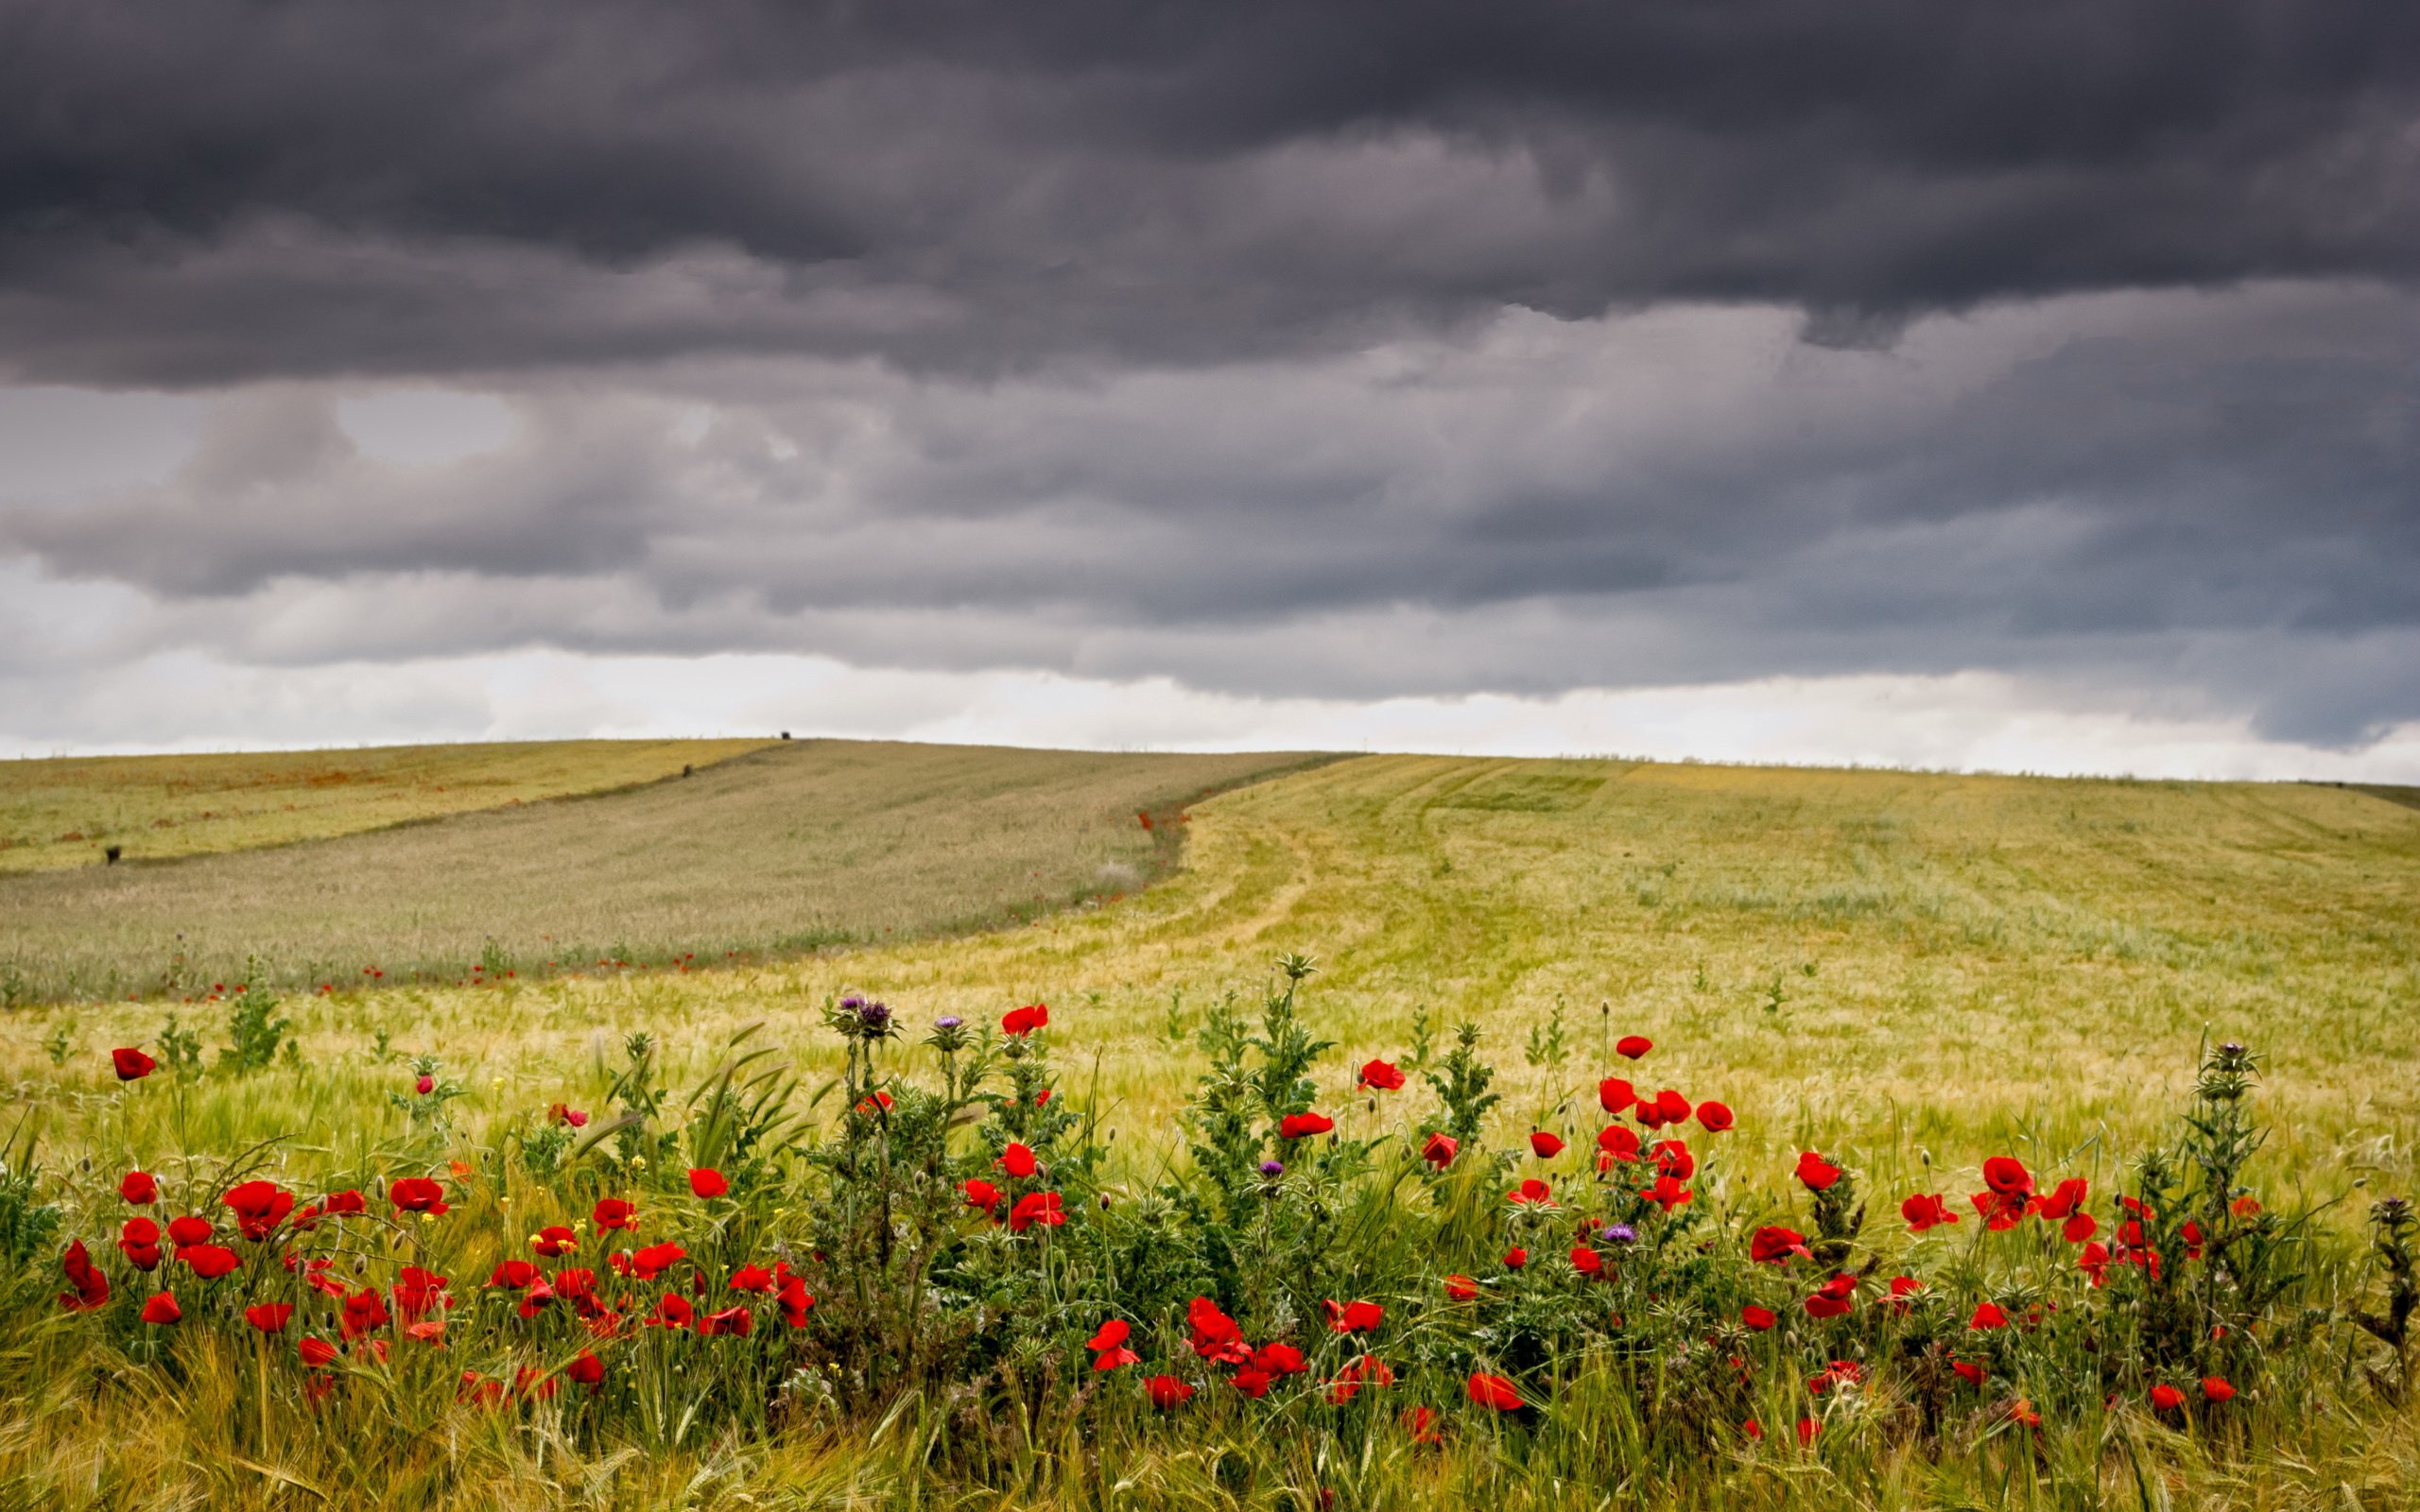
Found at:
(65, 812)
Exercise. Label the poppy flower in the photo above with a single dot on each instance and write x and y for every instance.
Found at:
(210, 1261)
(189, 1229)
(1837, 1373)
(1353, 1317)
(1587, 1261)
(1673, 1158)
(1615, 1096)
(1532, 1194)
(751, 1278)
(795, 1302)
(92, 1287)
(425, 1084)
(1632, 1046)
(650, 1261)
(586, 1371)
(1924, 1212)
(1807, 1429)
(1461, 1288)
(417, 1193)
(1816, 1173)
(673, 1311)
(2217, 1388)
(1903, 1288)
(1667, 1106)
(1299, 1126)
(1988, 1316)
(1110, 1335)
(1421, 1423)
(316, 1352)
(706, 1182)
(2063, 1202)
(139, 1242)
(1834, 1298)
(614, 1213)
(1036, 1208)
(1515, 1258)
(2092, 1259)
(1716, 1117)
(1378, 1075)
(339, 1203)
(2008, 1177)
(2246, 1205)
(981, 1193)
(568, 1116)
(269, 1317)
(736, 1321)
(1667, 1192)
(513, 1275)
(1968, 1372)
(1998, 1211)
(1753, 1429)
(259, 1206)
(1759, 1319)
(1253, 1383)
(1167, 1393)
(2080, 1228)
(1364, 1372)
(418, 1292)
(1493, 1391)
(133, 1065)
(1024, 1020)
(2167, 1398)
(139, 1189)
(1439, 1150)
(554, 1240)
(1279, 1360)
(1544, 1145)
(161, 1309)
(364, 1310)
(1018, 1160)
(1216, 1336)
(1773, 1244)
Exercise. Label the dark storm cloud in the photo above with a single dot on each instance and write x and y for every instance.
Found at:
(216, 191)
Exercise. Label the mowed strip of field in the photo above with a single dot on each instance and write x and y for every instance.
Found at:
(67, 811)
(1910, 972)
(795, 846)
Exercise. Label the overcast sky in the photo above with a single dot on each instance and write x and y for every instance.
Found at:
(2031, 387)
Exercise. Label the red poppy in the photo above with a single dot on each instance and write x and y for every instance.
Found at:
(139, 1189)
(1166, 1392)
(1673, 1158)
(417, 1193)
(425, 1084)
(1837, 1373)
(2217, 1388)
(1758, 1318)
(2167, 1398)
(209, 1261)
(1018, 1160)
(1544, 1145)
(1903, 1288)
(1816, 1172)
(736, 1321)
(269, 1317)
(259, 1206)
(1615, 1095)
(1461, 1288)
(1667, 1192)
(795, 1302)
(1773, 1244)
(419, 1292)
(513, 1275)
(614, 1213)
(673, 1311)
(2063, 1203)
(1587, 1261)
(1618, 1141)
(565, 1114)
(1298, 1125)
(1632, 1045)
(1110, 1335)
(2246, 1205)
(139, 1242)
(2007, 1176)
(1036, 1208)
(554, 1240)
(1364, 1372)
(650, 1261)
(1439, 1150)
(189, 1229)
(1216, 1336)
(1834, 1298)
(162, 1308)
(1024, 1020)
(1515, 1258)
(2092, 1259)
(316, 1352)
(133, 1065)
(1253, 1383)
(707, 1183)
(1999, 1212)
(1378, 1075)
(586, 1371)
(1668, 1106)
(344, 1202)
(2080, 1228)
(1924, 1212)
(981, 1193)
(1532, 1194)
(1279, 1360)
(1715, 1116)
(1753, 1429)
(1493, 1391)
(1353, 1317)
(1988, 1316)
(751, 1278)
(1807, 1429)
(1421, 1423)
(1971, 1372)
(92, 1287)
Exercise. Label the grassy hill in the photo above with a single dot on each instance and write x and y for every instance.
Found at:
(797, 845)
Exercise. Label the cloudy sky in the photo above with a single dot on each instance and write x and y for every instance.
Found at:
(2031, 387)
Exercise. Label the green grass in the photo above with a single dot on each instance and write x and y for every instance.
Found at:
(794, 847)
(65, 812)
(1909, 971)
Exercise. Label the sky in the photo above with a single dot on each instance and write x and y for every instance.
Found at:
(2029, 387)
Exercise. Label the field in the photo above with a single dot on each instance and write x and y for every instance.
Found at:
(794, 846)
(1906, 971)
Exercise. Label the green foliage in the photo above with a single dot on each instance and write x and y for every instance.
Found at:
(1460, 1082)
(254, 1028)
(179, 1048)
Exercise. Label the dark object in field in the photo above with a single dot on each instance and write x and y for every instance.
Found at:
(112, 853)
(687, 768)
(786, 734)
